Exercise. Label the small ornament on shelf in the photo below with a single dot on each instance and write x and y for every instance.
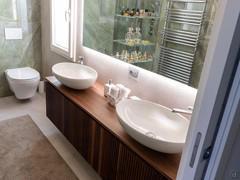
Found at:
(134, 56)
(129, 36)
(137, 12)
(137, 36)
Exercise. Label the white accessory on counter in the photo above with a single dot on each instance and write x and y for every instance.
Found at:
(107, 88)
(124, 91)
(111, 101)
(115, 93)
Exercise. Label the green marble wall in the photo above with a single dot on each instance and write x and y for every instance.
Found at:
(19, 53)
(99, 25)
(205, 34)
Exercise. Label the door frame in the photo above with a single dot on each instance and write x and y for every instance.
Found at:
(226, 140)
(214, 88)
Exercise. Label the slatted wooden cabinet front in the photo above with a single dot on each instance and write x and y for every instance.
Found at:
(103, 151)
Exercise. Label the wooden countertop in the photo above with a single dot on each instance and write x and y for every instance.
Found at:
(94, 103)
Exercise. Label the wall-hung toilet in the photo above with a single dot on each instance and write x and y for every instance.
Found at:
(23, 82)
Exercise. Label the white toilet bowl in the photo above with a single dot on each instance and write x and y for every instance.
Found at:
(23, 82)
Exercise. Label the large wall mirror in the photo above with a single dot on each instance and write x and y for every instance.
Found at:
(168, 37)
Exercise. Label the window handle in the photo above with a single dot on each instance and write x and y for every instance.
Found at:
(67, 15)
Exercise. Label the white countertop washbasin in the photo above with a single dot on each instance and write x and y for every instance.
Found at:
(153, 125)
(76, 76)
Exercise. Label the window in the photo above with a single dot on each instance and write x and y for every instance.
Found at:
(62, 27)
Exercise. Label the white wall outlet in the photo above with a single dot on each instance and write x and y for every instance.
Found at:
(133, 72)
(13, 33)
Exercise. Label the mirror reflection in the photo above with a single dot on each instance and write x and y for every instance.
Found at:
(168, 37)
(8, 10)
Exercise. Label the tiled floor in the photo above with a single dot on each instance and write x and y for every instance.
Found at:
(10, 108)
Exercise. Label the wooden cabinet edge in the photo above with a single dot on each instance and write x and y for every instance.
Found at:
(121, 144)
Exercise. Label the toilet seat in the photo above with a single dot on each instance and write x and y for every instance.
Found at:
(25, 73)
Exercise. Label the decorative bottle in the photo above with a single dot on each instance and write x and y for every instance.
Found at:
(138, 36)
(129, 36)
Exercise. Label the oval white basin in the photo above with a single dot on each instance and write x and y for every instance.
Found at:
(76, 76)
(153, 125)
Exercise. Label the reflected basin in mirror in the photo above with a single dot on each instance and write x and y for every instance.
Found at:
(75, 76)
(153, 125)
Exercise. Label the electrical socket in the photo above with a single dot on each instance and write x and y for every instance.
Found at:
(133, 72)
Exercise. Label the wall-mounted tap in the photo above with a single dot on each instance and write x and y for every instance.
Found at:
(183, 111)
(80, 60)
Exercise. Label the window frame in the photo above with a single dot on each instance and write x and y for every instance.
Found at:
(67, 53)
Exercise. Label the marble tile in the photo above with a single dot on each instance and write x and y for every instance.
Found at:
(20, 53)
(99, 25)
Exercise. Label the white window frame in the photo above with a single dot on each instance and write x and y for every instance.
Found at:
(70, 52)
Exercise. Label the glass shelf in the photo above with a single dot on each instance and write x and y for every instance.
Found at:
(139, 17)
(143, 43)
(138, 62)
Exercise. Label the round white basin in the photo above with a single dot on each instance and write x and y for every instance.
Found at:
(153, 125)
(76, 76)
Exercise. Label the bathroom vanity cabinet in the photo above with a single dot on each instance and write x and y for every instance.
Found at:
(92, 127)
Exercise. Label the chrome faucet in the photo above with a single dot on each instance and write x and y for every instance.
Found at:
(80, 60)
(183, 111)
